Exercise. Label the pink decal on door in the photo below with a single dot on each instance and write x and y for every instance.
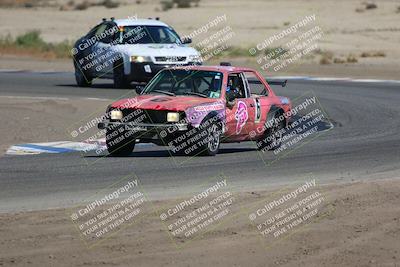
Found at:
(241, 116)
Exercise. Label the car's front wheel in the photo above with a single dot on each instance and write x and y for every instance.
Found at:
(120, 79)
(82, 79)
(213, 142)
(210, 132)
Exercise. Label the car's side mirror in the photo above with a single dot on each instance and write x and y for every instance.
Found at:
(186, 40)
(139, 89)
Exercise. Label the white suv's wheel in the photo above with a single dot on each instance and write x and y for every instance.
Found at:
(120, 79)
(82, 80)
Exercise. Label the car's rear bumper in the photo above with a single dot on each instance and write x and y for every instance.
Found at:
(145, 71)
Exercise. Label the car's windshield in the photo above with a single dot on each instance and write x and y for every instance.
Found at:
(147, 35)
(197, 83)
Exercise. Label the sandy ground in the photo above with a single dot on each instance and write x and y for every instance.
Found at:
(360, 229)
(252, 21)
(14, 62)
(346, 32)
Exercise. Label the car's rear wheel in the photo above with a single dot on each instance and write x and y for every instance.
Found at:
(118, 144)
(82, 79)
(120, 79)
(273, 135)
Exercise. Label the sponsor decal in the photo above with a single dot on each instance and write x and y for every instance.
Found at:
(215, 106)
(241, 116)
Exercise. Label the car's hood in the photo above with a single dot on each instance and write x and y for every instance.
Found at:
(156, 50)
(163, 102)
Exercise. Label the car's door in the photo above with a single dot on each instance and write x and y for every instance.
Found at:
(84, 51)
(105, 56)
(241, 111)
(259, 94)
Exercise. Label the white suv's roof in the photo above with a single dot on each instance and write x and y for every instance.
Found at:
(139, 22)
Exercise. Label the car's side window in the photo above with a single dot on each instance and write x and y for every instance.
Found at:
(101, 29)
(236, 85)
(92, 32)
(245, 85)
(112, 34)
(256, 87)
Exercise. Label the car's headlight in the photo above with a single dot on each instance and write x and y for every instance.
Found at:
(140, 59)
(195, 58)
(172, 116)
(116, 114)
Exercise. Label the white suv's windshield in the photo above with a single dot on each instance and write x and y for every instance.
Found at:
(148, 35)
(186, 82)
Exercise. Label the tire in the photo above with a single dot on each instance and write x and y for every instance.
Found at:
(272, 137)
(117, 145)
(120, 79)
(211, 129)
(82, 79)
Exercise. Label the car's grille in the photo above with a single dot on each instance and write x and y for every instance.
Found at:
(146, 116)
(170, 59)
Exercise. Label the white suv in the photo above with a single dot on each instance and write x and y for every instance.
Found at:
(130, 50)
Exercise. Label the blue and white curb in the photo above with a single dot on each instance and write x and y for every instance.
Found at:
(56, 147)
(60, 147)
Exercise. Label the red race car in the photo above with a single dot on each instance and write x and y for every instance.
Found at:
(194, 109)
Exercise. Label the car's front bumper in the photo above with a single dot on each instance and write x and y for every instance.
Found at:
(143, 127)
(159, 134)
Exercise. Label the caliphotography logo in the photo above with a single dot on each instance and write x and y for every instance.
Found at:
(109, 211)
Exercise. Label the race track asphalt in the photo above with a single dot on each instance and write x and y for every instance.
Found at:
(364, 144)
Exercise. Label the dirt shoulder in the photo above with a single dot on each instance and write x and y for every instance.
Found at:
(29, 63)
(360, 229)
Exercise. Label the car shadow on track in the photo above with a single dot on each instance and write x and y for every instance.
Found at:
(322, 125)
(166, 153)
(95, 86)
